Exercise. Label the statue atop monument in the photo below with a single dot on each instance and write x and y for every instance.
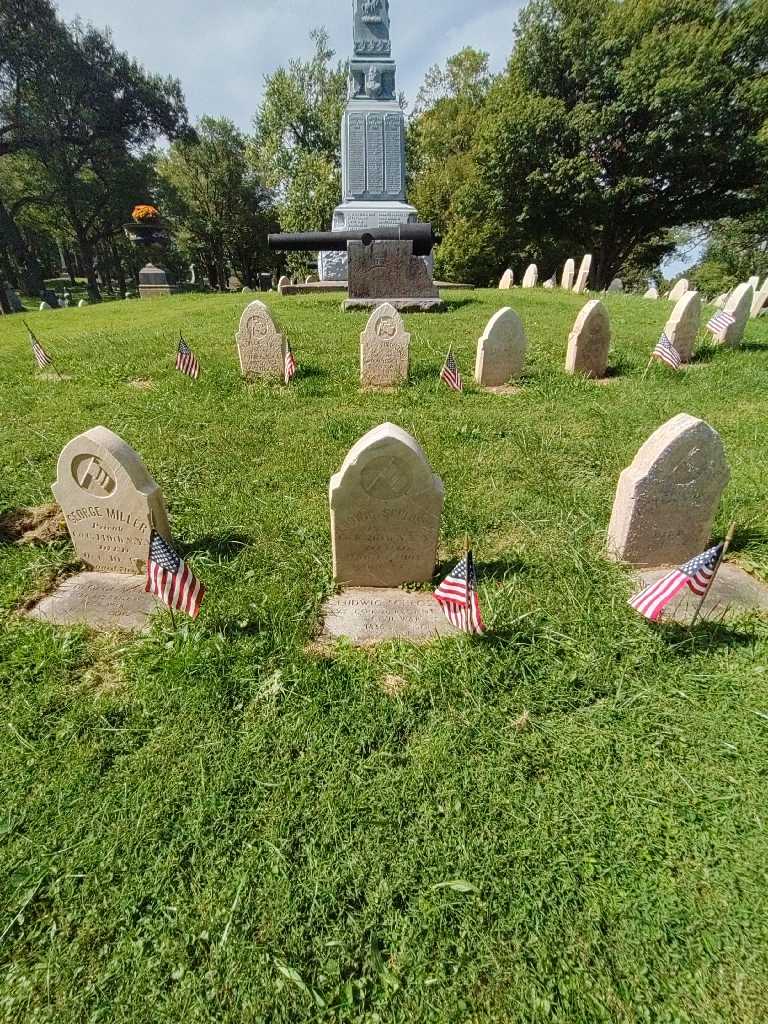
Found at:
(371, 31)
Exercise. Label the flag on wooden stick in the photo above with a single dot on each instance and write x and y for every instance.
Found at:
(450, 373)
(41, 356)
(186, 362)
(667, 353)
(457, 596)
(290, 365)
(171, 580)
(696, 575)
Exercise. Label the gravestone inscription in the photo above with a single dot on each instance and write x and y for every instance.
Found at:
(384, 349)
(260, 345)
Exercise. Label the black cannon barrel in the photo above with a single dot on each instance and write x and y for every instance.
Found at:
(423, 237)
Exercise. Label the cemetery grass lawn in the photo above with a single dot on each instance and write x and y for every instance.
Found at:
(563, 822)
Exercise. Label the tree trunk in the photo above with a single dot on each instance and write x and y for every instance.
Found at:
(119, 270)
(12, 239)
(89, 263)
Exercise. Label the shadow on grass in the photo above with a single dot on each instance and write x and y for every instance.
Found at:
(752, 346)
(452, 303)
(712, 635)
(222, 546)
(746, 535)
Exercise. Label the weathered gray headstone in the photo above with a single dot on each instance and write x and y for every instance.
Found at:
(507, 280)
(501, 350)
(683, 326)
(761, 299)
(551, 282)
(110, 502)
(589, 342)
(260, 345)
(667, 499)
(531, 276)
(569, 273)
(582, 281)
(384, 349)
(652, 293)
(386, 505)
(739, 305)
(44, 306)
(13, 299)
(616, 286)
(679, 290)
(283, 283)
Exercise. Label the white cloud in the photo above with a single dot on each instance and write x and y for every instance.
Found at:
(221, 51)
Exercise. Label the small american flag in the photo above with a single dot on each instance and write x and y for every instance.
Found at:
(450, 373)
(696, 574)
(186, 362)
(667, 353)
(290, 365)
(457, 596)
(41, 356)
(171, 580)
(720, 323)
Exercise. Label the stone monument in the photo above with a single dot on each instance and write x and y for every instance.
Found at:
(501, 350)
(372, 138)
(386, 505)
(652, 293)
(761, 298)
(384, 349)
(589, 342)
(389, 271)
(667, 499)
(507, 280)
(679, 290)
(683, 326)
(531, 276)
(260, 345)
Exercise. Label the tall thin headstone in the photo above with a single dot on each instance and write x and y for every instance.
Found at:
(110, 502)
(679, 290)
(507, 280)
(739, 305)
(616, 287)
(384, 349)
(589, 342)
(683, 326)
(501, 350)
(531, 276)
(761, 299)
(582, 281)
(569, 273)
(667, 499)
(386, 505)
(260, 345)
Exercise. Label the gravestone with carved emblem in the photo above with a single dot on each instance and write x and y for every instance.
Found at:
(384, 349)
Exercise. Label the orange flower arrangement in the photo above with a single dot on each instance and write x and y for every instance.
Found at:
(145, 214)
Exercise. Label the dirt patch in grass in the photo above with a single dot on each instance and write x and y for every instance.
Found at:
(39, 525)
(141, 384)
(394, 686)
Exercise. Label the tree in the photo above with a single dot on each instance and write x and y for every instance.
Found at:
(215, 201)
(737, 250)
(296, 149)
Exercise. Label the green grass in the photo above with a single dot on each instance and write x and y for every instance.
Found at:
(216, 824)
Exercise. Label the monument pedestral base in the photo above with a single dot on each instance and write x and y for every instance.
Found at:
(401, 305)
(389, 272)
(154, 283)
(367, 615)
(363, 216)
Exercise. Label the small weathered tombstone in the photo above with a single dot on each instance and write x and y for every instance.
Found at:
(652, 293)
(761, 299)
(386, 505)
(683, 326)
(531, 276)
(721, 300)
(667, 499)
(13, 299)
(616, 286)
(384, 349)
(582, 281)
(739, 305)
(234, 284)
(679, 290)
(245, 290)
(260, 345)
(507, 280)
(82, 304)
(283, 283)
(501, 350)
(44, 306)
(311, 279)
(551, 282)
(755, 282)
(110, 502)
(589, 342)
(569, 273)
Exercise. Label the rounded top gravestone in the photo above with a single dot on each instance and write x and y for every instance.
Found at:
(386, 505)
(384, 349)
(683, 326)
(110, 502)
(652, 293)
(679, 290)
(589, 342)
(507, 280)
(260, 345)
(667, 499)
(501, 350)
(761, 298)
(616, 287)
(739, 305)
(582, 281)
(569, 272)
(531, 277)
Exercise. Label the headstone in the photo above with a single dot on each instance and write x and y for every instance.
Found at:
(550, 283)
(667, 499)
(738, 305)
(50, 297)
(13, 299)
(284, 282)
(386, 505)
(755, 282)
(582, 281)
(245, 290)
(721, 300)
(260, 345)
(389, 271)
(311, 279)
(81, 304)
(683, 326)
(154, 283)
(679, 290)
(616, 286)
(384, 349)
(652, 293)
(110, 502)
(507, 280)
(761, 299)
(531, 276)
(234, 284)
(44, 306)
(569, 272)
(589, 342)
(501, 350)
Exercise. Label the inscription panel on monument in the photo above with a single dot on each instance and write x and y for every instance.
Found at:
(375, 153)
(356, 163)
(393, 154)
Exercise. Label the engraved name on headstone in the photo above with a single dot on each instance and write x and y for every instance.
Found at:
(260, 345)
(384, 348)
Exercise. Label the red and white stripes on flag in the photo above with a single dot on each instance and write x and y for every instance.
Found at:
(290, 365)
(457, 596)
(41, 356)
(186, 362)
(171, 580)
(720, 323)
(696, 574)
(667, 353)
(451, 374)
